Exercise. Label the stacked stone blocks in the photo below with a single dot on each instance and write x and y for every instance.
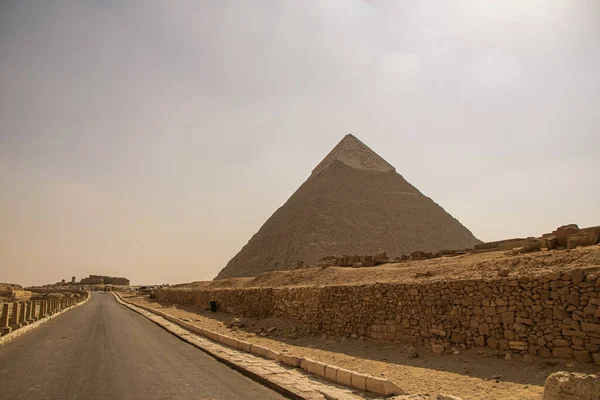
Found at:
(553, 315)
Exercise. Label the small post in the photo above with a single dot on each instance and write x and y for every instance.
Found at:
(34, 315)
(23, 314)
(28, 311)
(14, 316)
(4, 327)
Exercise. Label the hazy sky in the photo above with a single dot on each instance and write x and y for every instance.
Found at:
(151, 139)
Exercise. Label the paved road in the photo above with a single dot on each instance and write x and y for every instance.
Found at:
(102, 350)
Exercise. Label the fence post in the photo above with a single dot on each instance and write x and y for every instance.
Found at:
(22, 314)
(4, 328)
(14, 316)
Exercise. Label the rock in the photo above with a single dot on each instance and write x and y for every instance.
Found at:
(437, 349)
(503, 273)
(508, 356)
(381, 258)
(271, 329)
(356, 265)
(531, 245)
(584, 238)
(590, 327)
(418, 255)
(582, 356)
(551, 242)
(562, 233)
(572, 386)
(562, 352)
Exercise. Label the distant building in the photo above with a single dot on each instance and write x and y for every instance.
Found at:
(106, 280)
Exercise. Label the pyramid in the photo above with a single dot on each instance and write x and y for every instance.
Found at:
(354, 202)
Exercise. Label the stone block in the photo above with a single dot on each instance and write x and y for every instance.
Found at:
(590, 327)
(258, 350)
(359, 380)
(562, 233)
(331, 373)
(571, 386)
(319, 368)
(562, 352)
(517, 345)
(308, 365)
(375, 384)
(271, 354)
(582, 356)
(289, 360)
(344, 377)
(550, 242)
(437, 349)
(584, 238)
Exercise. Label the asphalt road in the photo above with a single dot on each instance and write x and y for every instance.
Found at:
(102, 350)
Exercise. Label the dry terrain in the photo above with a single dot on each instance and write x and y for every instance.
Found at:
(471, 374)
(467, 266)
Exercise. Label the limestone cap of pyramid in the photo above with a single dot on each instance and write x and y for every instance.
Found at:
(354, 154)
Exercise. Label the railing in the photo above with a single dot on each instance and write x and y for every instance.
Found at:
(17, 314)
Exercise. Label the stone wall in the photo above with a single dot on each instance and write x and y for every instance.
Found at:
(555, 315)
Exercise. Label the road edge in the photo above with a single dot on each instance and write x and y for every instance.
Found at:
(255, 377)
(22, 331)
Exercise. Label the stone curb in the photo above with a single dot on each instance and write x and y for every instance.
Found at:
(21, 331)
(277, 387)
(338, 375)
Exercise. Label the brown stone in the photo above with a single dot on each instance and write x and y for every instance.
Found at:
(562, 233)
(437, 349)
(571, 386)
(582, 356)
(551, 242)
(589, 327)
(562, 352)
(588, 238)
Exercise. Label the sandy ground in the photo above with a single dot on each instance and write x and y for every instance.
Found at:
(467, 266)
(472, 374)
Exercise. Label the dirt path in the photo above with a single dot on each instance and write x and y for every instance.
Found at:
(471, 374)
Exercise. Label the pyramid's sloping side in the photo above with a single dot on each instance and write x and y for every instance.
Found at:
(343, 210)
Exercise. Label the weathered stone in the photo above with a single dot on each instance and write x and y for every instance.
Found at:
(381, 257)
(531, 245)
(344, 377)
(508, 317)
(562, 233)
(551, 242)
(571, 386)
(582, 356)
(359, 380)
(418, 255)
(437, 349)
(331, 372)
(590, 327)
(562, 352)
(588, 238)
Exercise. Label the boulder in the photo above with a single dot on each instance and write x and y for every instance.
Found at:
(531, 245)
(572, 386)
(583, 238)
(551, 242)
(381, 258)
(562, 233)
